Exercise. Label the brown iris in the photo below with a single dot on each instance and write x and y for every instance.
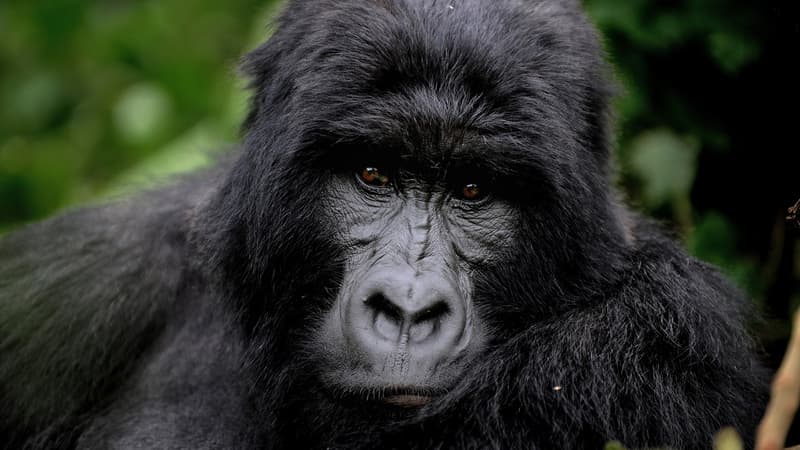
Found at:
(471, 191)
(373, 177)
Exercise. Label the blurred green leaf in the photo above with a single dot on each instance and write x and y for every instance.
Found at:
(732, 51)
(614, 445)
(728, 439)
(142, 113)
(665, 163)
(191, 151)
(32, 103)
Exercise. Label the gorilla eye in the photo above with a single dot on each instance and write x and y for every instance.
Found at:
(472, 191)
(372, 176)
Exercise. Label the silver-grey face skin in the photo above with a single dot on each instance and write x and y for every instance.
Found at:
(404, 317)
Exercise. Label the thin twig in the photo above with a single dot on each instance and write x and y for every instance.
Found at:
(785, 396)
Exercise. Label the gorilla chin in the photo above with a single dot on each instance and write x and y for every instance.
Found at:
(418, 245)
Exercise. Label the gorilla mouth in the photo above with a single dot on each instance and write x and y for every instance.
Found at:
(354, 388)
(408, 400)
(407, 397)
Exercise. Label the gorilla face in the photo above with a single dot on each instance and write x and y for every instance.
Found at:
(404, 321)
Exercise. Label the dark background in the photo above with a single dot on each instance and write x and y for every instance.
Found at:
(101, 98)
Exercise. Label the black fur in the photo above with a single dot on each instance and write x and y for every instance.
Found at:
(181, 319)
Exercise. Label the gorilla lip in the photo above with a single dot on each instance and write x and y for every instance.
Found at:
(408, 400)
(408, 397)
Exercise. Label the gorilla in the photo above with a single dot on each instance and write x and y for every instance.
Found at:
(417, 245)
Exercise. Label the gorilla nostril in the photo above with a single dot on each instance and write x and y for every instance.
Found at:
(381, 304)
(432, 313)
(427, 322)
(387, 318)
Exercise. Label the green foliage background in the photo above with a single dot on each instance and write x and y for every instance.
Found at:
(101, 98)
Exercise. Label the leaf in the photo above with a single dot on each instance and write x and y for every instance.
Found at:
(665, 163)
(614, 445)
(732, 51)
(728, 439)
(142, 113)
(191, 151)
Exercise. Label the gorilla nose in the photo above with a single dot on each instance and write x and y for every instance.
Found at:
(423, 317)
(394, 322)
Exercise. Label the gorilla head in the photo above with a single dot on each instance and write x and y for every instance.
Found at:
(442, 168)
(417, 247)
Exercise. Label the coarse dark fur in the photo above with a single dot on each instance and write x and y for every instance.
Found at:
(181, 319)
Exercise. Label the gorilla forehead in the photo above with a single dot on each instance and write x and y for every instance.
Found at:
(425, 70)
(522, 92)
(476, 58)
(496, 42)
